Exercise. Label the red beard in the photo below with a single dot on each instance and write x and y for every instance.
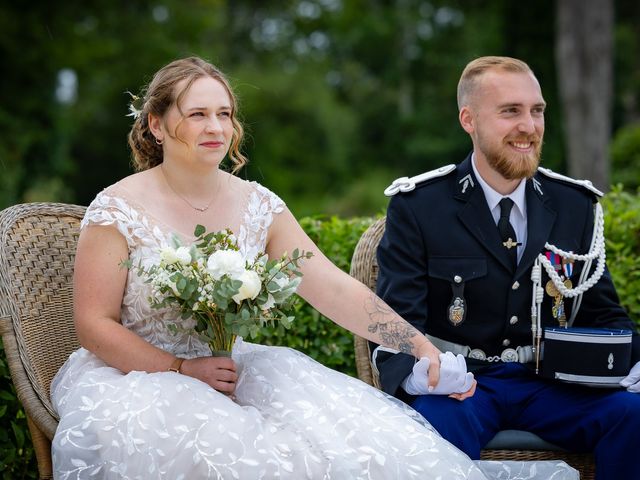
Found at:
(514, 165)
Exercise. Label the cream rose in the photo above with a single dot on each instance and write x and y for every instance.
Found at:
(225, 262)
(168, 255)
(250, 286)
(184, 255)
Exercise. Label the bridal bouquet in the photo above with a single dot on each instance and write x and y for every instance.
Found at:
(225, 294)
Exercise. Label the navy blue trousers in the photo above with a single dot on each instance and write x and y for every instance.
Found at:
(576, 418)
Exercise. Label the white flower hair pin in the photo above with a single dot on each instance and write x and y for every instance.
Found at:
(134, 111)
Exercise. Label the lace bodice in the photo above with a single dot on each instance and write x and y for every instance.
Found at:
(146, 235)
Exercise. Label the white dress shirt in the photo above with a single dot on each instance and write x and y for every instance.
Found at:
(518, 216)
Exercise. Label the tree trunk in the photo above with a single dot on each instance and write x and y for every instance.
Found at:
(584, 59)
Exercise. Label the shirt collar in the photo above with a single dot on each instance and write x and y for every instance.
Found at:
(493, 197)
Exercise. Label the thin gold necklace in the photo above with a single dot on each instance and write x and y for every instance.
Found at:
(199, 209)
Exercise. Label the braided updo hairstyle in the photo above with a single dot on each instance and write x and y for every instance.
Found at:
(161, 94)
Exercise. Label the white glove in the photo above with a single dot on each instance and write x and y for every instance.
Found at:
(454, 377)
(632, 381)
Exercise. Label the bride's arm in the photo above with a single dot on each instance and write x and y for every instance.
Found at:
(98, 287)
(346, 301)
(99, 282)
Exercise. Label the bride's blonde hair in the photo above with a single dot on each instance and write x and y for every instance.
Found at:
(160, 95)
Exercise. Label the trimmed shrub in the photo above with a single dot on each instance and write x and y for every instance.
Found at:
(622, 233)
(625, 156)
(17, 457)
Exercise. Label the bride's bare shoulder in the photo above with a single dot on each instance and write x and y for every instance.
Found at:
(236, 185)
(141, 184)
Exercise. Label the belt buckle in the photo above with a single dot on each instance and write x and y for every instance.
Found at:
(509, 355)
(477, 354)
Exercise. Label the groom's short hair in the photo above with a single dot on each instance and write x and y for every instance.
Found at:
(474, 69)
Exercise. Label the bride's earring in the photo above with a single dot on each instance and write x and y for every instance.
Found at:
(158, 141)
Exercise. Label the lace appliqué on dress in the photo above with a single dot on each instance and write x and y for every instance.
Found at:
(258, 216)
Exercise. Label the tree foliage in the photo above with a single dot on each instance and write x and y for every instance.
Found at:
(339, 96)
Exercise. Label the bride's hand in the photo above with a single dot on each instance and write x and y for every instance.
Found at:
(218, 372)
(429, 350)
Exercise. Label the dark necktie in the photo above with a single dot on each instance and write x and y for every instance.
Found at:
(507, 233)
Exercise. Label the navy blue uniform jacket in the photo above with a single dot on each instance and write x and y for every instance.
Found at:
(442, 229)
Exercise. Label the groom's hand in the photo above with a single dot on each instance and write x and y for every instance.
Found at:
(454, 378)
(632, 381)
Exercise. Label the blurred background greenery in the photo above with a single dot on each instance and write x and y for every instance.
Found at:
(339, 96)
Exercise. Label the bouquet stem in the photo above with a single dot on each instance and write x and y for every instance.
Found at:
(221, 353)
(221, 339)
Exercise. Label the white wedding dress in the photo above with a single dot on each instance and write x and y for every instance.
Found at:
(292, 418)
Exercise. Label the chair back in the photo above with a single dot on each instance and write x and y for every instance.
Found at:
(37, 252)
(364, 267)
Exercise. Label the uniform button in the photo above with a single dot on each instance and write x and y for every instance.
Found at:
(513, 320)
(515, 286)
(506, 342)
(457, 279)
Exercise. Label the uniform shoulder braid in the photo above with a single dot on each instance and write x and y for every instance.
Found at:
(586, 184)
(406, 184)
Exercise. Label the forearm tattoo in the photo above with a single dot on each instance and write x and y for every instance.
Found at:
(392, 330)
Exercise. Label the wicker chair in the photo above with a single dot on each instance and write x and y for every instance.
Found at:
(37, 249)
(507, 445)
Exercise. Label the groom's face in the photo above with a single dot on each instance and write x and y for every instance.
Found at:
(508, 122)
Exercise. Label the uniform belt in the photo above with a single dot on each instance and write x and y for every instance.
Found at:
(524, 354)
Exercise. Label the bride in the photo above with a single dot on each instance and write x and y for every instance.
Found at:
(139, 400)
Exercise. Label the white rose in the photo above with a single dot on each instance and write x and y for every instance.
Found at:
(250, 286)
(168, 255)
(183, 255)
(225, 262)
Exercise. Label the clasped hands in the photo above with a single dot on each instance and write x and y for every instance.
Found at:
(454, 380)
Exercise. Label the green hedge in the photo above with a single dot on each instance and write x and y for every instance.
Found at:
(622, 232)
(17, 458)
(330, 344)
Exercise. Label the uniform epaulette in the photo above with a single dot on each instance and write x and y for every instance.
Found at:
(582, 183)
(406, 184)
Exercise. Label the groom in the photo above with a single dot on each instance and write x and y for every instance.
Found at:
(456, 261)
